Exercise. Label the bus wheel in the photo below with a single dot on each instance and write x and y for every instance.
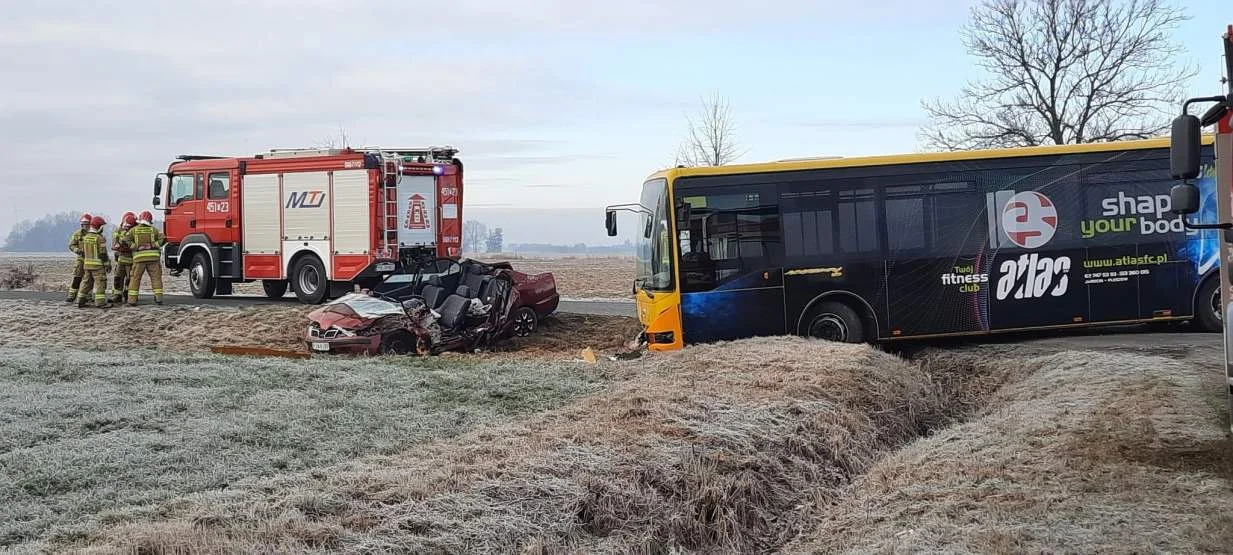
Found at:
(834, 321)
(1207, 305)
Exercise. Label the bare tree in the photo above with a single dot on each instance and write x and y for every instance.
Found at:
(711, 139)
(340, 141)
(1063, 71)
(474, 236)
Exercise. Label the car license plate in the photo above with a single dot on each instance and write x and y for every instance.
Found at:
(385, 267)
(318, 346)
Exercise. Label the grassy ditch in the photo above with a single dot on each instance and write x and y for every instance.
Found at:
(87, 438)
(1112, 451)
(716, 448)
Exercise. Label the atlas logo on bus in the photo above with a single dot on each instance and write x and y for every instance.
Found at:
(1150, 214)
(305, 199)
(1032, 276)
(1029, 219)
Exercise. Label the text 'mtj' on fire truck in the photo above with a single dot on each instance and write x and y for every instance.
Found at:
(318, 220)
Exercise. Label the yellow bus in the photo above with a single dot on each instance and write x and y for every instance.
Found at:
(921, 245)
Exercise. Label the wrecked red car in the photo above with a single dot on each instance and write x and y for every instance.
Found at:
(444, 305)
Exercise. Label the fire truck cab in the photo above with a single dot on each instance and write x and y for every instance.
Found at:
(319, 221)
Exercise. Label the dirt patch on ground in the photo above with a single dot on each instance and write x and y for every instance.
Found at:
(196, 329)
(55, 273)
(577, 277)
(564, 335)
(715, 448)
(1091, 452)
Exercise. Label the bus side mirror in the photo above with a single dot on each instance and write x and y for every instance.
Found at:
(610, 222)
(1184, 149)
(1184, 198)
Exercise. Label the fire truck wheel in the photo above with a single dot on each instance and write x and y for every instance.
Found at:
(274, 288)
(201, 277)
(308, 280)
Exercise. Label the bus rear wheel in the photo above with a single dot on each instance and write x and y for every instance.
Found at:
(1207, 306)
(834, 321)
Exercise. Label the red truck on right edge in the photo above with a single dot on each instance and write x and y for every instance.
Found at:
(1185, 166)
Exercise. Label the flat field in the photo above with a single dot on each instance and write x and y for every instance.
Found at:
(577, 277)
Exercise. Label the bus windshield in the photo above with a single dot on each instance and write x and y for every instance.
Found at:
(654, 272)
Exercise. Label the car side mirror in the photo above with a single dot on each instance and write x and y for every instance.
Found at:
(1184, 199)
(1184, 148)
(610, 222)
(156, 201)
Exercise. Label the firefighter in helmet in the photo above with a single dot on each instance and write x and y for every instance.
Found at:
(122, 245)
(147, 243)
(75, 247)
(95, 264)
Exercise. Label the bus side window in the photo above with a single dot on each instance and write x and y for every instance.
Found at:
(935, 219)
(729, 234)
(822, 220)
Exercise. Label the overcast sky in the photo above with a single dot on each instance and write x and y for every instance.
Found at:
(553, 103)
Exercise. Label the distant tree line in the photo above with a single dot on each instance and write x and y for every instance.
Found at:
(626, 248)
(49, 233)
(477, 238)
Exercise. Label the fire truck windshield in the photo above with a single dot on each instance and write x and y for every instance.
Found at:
(181, 189)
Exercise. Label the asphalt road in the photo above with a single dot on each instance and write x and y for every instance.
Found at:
(602, 308)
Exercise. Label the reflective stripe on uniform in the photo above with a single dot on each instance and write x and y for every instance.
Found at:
(92, 246)
(146, 242)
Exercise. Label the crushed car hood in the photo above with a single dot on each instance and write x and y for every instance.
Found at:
(353, 312)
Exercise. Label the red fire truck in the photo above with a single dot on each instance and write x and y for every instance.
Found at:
(318, 220)
(1186, 165)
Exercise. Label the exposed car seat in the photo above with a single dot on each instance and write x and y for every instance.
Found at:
(476, 282)
(433, 293)
(453, 311)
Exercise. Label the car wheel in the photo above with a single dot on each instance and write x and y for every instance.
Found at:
(274, 288)
(1207, 307)
(201, 277)
(834, 321)
(308, 280)
(397, 343)
(525, 321)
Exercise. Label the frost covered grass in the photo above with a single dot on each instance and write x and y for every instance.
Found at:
(1101, 444)
(714, 449)
(1081, 452)
(87, 438)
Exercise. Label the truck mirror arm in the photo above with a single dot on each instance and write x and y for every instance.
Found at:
(1188, 225)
